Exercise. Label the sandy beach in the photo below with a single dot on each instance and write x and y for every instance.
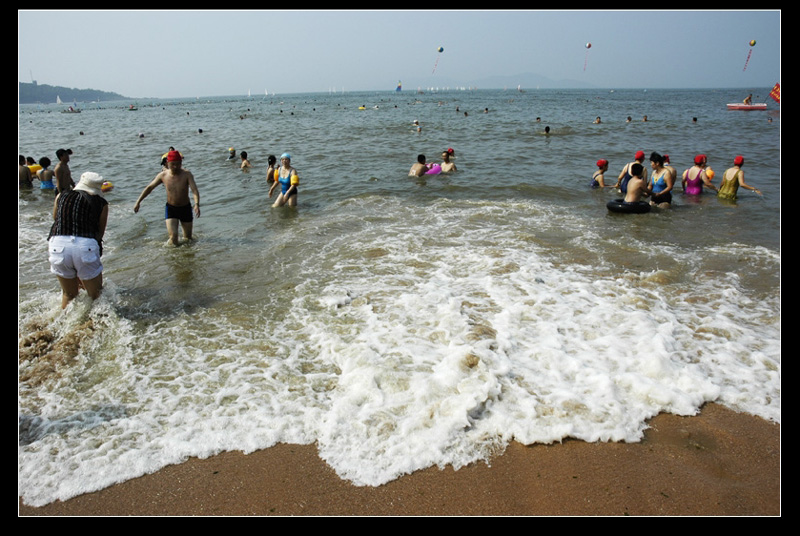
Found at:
(716, 463)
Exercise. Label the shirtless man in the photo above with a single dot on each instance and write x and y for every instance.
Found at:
(63, 175)
(418, 169)
(178, 182)
(24, 173)
(637, 187)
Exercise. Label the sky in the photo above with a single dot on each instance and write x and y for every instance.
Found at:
(203, 53)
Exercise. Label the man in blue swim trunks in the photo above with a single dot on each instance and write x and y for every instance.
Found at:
(178, 182)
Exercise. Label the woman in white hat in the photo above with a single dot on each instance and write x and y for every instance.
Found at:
(75, 243)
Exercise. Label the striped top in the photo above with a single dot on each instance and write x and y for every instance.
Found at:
(78, 214)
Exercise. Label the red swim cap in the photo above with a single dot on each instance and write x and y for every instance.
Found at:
(602, 162)
(700, 159)
(639, 155)
(174, 156)
(738, 161)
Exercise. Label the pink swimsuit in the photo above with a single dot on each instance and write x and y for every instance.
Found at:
(694, 186)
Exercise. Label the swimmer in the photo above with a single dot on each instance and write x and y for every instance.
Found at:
(661, 183)
(732, 179)
(245, 162)
(598, 178)
(637, 187)
(24, 173)
(63, 175)
(447, 165)
(624, 176)
(178, 182)
(670, 168)
(271, 161)
(418, 169)
(45, 175)
(597, 121)
(287, 177)
(231, 153)
(697, 176)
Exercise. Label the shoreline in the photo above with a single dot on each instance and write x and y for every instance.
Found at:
(718, 462)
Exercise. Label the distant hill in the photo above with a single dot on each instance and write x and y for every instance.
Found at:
(32, 93)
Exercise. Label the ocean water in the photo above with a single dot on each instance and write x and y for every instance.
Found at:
(396, 323)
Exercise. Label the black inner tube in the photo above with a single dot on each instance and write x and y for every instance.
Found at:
(619, 205)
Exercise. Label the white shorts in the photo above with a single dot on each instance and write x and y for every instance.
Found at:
(75, 256)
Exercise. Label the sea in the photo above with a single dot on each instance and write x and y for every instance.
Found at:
(396, 323)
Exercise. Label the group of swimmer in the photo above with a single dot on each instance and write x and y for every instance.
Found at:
(284, 175)
(80, 212)
(422, 167)
(58, 179)
(633, 180)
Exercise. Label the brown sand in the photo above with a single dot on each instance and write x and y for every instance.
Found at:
(717, 463)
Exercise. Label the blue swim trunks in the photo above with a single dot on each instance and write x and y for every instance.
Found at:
(183, 213)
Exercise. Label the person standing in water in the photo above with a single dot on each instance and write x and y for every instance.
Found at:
(695, 177)
(271, 161)
(45, 175)
(637, 187)
(63, 175)
(287, 177)
(177, 182)
(661, 183)
(75, 243)
(732, 179)
(625, 175)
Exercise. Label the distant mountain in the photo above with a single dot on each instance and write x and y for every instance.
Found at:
(32, 93)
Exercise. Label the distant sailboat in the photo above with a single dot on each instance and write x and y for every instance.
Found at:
(58, 100)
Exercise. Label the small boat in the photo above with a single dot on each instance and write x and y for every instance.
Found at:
(742, 106)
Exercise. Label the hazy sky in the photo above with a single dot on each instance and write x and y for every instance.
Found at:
(167, 54)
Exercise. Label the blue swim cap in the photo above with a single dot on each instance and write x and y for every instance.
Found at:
(286, 155)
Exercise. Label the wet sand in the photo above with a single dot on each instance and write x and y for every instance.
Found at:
(717, 463)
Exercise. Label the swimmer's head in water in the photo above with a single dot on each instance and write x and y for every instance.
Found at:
(602, 163)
